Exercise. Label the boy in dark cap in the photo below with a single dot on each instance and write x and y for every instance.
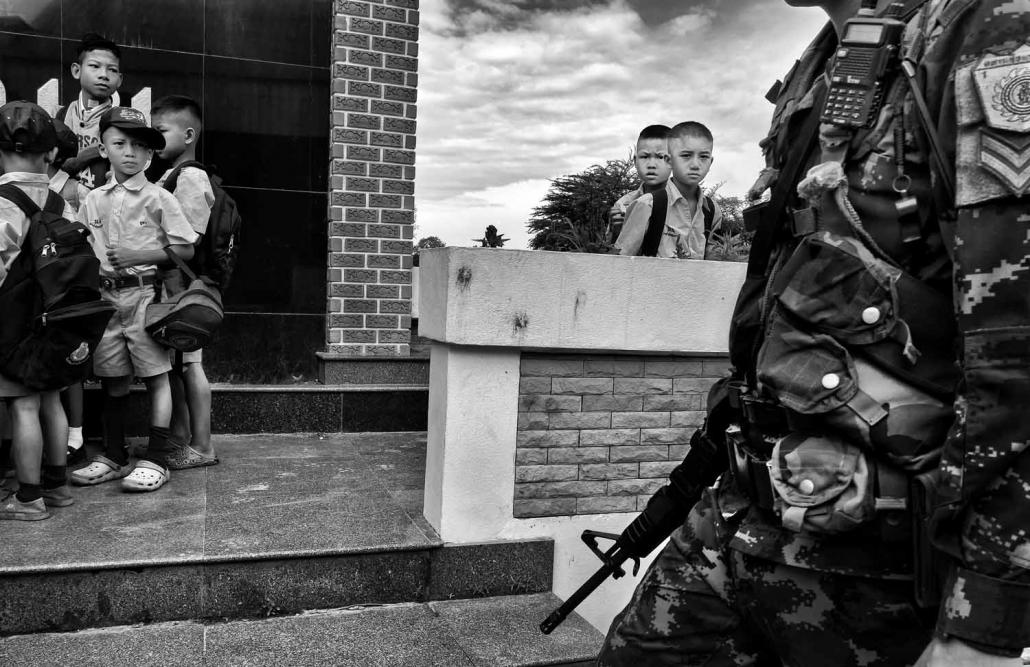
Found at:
(131, 221)
(27, 135)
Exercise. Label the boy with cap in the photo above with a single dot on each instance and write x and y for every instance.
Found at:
(179, 119)
(27, 135)
(97, 68)
(131, 220)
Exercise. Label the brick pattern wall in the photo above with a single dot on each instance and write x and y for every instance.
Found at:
(600, 434)
(372, 177)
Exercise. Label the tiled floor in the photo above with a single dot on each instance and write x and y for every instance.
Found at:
(269, 495)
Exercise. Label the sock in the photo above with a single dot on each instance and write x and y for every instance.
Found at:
(74, 437)
(114, 429)
(54, 476)
(157, 445)
(28, 492)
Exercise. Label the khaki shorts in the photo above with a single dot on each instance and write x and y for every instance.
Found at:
(194, 357)
(127, 348)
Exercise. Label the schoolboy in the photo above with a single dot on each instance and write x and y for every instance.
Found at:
(180, 120)
(131, 221)
(690, 157)
(97, 68)
(73, 193)
(651, 159)
(27, 135)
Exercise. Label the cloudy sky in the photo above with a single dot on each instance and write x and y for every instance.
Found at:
(515, 93)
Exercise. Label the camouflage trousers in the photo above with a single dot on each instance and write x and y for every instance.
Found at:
(727, 608)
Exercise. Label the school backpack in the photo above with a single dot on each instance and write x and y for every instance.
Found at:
(656, 221)
(186, 320)
(53, 315)
(215, 256)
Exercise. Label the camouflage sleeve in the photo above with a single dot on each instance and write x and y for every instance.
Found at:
(985, 481)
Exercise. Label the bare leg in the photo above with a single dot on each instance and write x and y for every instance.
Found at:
(198, 398)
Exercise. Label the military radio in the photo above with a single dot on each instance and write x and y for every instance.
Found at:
(868, 55)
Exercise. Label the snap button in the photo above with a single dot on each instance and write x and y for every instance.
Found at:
(806, 486)
(871, 315)
(831, 381)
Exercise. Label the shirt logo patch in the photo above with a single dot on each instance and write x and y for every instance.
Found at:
(96, 223)
(1004, 86)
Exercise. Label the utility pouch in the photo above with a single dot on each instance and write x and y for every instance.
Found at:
(823, 484)
(928, 562)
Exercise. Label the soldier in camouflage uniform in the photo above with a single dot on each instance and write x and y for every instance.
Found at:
(882, 337)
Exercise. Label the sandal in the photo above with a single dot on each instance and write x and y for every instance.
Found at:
(100, 469)
(146, 476)
(182, 456)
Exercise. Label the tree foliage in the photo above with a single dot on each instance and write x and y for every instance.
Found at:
(574, 213)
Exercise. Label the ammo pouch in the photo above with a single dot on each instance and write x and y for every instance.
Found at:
(864, 380)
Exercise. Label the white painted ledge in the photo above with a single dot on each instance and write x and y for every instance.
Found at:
(532, 299)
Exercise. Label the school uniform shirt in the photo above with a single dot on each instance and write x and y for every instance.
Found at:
(69, 188)
(684, 235)
(13, 223)
(136, 215)
(622, 205)
(194, 193)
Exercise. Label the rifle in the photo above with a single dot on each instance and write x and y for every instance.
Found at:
(612, 567)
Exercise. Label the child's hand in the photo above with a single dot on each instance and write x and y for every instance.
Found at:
(616, 217)
(123, 258)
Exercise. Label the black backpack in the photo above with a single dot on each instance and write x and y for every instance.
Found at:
(53, 316)
(656, 222)
(215, 256)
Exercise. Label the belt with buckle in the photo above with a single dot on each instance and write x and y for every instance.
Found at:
(121, 282)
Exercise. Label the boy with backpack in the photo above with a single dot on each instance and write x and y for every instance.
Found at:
(180, 120)
(675, 221)
(37, 419)
(135, 225)
(651, 159)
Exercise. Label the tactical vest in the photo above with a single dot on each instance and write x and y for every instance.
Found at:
(844, 334)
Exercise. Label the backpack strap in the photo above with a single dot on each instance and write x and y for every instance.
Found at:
(54, 203)
(708, 211)
(655, 224)
(173, 178)
(17, 196)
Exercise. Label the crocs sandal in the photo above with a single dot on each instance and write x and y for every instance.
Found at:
(100, 469)
(181, 456)
(146, 476)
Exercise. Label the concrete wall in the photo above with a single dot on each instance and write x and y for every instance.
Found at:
(501, 317)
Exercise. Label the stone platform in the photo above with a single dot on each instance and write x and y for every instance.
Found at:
(283, 525)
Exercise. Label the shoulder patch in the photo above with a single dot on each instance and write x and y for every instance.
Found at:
(992, 96)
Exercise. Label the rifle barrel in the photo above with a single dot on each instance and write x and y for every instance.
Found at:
(561, 613)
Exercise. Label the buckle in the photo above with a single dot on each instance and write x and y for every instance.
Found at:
(802, 221)
(107, 283)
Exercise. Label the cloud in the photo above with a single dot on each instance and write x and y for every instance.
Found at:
(526, 91)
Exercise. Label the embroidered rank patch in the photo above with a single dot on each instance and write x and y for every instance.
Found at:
(1007, 156)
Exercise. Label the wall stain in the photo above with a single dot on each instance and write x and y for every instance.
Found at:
(581, 300)
(519, 323)
(464, 280)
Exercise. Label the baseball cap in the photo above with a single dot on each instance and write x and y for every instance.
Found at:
(132, 122)
(26, 128)
(67, 142)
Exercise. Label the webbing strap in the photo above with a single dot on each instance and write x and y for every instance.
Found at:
(655, 224)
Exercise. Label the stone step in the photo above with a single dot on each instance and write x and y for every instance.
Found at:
(302, 408)
(283, 524)
(486, 632)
